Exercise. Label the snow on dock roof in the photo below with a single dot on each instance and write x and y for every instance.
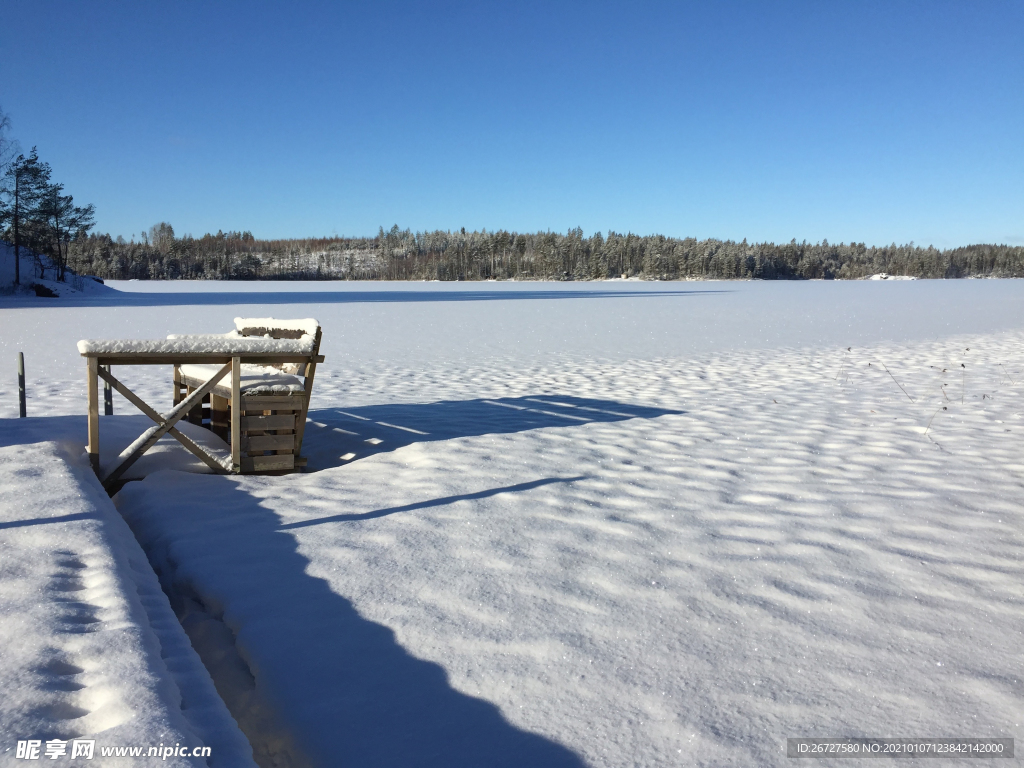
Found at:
(227, 344)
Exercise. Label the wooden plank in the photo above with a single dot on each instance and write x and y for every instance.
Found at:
(222, 390)
(256, 443)
(155, 433)
(307, 390)
(220, 415)
(183, 358)
(93, 400)
(191, 381)
(210, 461)
(282, 421)
(176, 383)
(108, 395)
(236, 414)
(267, 463)
(272, 403)
(195, 416)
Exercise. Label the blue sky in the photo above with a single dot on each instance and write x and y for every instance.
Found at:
(874, 122)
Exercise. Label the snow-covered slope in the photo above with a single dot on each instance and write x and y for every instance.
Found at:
(90, 646)
(73, 286)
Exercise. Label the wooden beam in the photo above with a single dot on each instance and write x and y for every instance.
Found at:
(283, 421)
(292, 402)
(138, 358)
(257, 443)
(220, 418)
(176, 379)
(236, 414)
(307, 390)
(211, 461)
(93, 400)
(108, 395)
(268, 463)
(149, 438)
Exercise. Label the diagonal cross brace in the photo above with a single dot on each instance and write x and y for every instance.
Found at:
(212, 462)
(148, 439)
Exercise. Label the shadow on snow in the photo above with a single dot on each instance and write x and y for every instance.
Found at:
(348, 296)
(350, 693)
(336, 436)
(348, 518)
(346, 690)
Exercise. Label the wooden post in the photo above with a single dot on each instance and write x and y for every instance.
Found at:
(92, 390)
(108, 395)
(177, 387)
(236, 414)
(307, 389)
(21, 384)
(219, 408)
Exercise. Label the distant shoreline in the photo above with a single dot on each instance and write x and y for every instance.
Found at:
(449, 256)
(501, 256)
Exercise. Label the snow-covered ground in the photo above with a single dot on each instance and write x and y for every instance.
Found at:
(91, 649)
(72, 286)
(613, 524)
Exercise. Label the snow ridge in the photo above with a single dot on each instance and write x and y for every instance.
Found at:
(91, 647)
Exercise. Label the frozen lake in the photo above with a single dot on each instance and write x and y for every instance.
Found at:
(414, 323)
(615, 524)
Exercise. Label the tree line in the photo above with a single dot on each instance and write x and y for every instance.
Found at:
(35, 213)
(401, 254)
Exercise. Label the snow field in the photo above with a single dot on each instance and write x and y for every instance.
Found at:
(782, 551)
(90, 645)
(640, 530)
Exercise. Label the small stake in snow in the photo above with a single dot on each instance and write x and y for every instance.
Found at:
(897, 383)
(21, 384)
(108, 395)
(963, 378)
(842, 368)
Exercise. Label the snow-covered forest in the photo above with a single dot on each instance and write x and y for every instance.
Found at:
(401, 254)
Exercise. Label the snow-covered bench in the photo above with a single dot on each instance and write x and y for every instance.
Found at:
(270, 365)
(274, 396)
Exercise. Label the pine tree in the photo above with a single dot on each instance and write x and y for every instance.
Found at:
(61, 221)
(26, 179)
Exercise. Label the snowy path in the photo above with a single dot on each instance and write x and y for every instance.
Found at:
(551, 543)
